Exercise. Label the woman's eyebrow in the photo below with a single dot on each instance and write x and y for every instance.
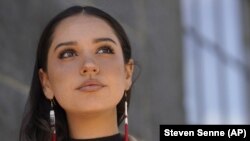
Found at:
(69, 43)
(104, 40)
(72, 43)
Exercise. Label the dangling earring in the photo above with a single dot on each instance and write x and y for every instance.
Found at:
(126, 118)
(52, 121)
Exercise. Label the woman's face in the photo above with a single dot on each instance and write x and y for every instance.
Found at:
(86, 70)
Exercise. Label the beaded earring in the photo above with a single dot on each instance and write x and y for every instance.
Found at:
(52, 122)
(126, 119)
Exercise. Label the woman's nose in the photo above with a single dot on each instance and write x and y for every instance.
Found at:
(89, 68)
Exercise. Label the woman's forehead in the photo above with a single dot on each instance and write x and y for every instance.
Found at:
(82, 26)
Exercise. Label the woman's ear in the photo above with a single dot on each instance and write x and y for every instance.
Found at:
(47, 90)
(129, 68)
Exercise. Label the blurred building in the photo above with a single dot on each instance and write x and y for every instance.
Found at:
(216, 65)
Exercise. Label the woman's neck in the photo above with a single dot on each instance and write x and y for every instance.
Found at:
(93, 125)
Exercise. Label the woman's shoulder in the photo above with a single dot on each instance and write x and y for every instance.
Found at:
(132, 138)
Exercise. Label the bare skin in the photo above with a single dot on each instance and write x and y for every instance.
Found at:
(87, 75)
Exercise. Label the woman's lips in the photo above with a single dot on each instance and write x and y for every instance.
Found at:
(90, 86)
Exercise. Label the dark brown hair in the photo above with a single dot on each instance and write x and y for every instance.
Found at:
(35, 123)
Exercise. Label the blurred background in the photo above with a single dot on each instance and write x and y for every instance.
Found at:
(193, 56)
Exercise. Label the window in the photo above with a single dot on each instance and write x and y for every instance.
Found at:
(215, 62)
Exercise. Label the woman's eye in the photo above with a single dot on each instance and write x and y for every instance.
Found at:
(106, 50)
(67, 53)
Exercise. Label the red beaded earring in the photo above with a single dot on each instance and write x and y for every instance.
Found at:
(126, 119)
(52, 122)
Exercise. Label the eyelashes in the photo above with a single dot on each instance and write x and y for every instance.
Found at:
(68, 53)
(105, 50)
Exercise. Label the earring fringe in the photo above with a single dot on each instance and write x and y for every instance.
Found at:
(52, 122)
(126, 118)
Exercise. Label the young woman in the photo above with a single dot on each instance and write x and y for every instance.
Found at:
(82, 79)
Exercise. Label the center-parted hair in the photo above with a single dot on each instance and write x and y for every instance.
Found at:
(35, 123)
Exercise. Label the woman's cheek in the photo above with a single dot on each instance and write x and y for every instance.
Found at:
(115, 72)
(61, 77)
